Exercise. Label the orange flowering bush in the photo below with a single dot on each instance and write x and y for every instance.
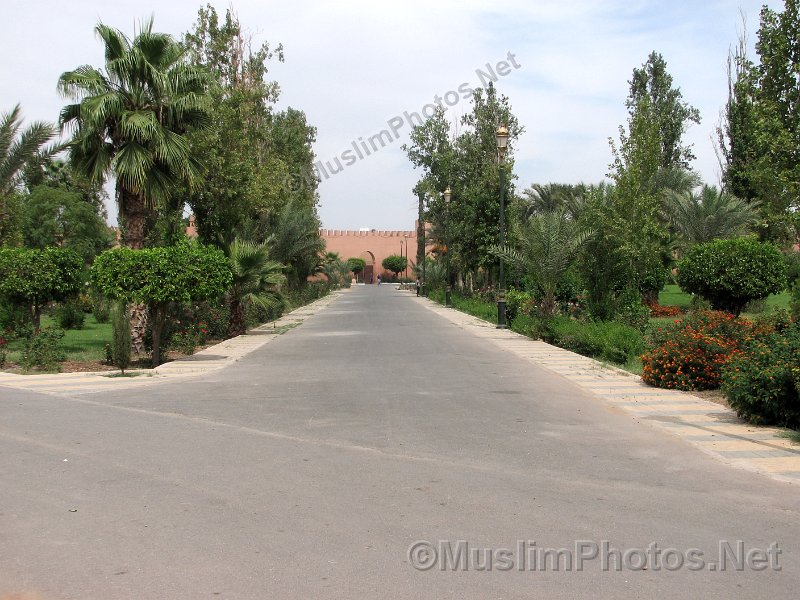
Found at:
(658, 310)
(690, 353)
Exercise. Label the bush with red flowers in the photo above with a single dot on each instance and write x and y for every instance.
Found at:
(690, 353)
(657, 310)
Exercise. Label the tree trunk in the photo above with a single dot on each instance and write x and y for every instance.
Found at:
(238, 325)
(133, 217)
(138, 314)
(159, 314)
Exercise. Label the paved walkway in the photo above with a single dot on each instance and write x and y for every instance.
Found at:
(314, 465)
(711, 427)
(204, 361)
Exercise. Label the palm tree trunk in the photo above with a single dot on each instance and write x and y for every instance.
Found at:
(133, 215)
(238, 325)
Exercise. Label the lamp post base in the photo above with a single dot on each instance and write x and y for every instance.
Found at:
(501, 310)
(447, 297)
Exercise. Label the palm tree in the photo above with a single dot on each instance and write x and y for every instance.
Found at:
(256, 280)
(20, 148)
(295, 241)
(130, 120)
(710, 214)
(548, 243)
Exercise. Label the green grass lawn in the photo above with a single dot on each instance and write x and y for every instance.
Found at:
(672, 295)
(81, 345)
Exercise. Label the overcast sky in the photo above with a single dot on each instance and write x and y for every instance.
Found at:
(356, 67)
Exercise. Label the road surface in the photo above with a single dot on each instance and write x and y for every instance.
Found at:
(376, 451)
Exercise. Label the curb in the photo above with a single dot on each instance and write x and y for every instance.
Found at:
(205, 361)
(713, 428)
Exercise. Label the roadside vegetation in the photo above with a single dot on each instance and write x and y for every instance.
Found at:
(181, 126)
(692, 286)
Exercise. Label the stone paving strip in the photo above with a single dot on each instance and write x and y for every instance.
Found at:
(203, 361)
(713, 428)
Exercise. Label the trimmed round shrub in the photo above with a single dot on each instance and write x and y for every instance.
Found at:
(762, 383)
(731, 273)
(689, 354)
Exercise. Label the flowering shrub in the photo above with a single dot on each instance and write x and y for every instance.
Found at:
(185, 340)
(762, 383)
(690, 353)
(657, 310)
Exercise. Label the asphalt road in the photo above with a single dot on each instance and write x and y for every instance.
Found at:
(312, 466)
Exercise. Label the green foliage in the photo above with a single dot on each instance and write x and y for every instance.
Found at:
(120, 349)
(131, 120)
(21, 148)
(256, 280)
(70, 316)
(43, 350)
(259, 161)
(759, 134)
(186, 340)
(762, 384)
(792, 266)
(698, 218)
(33, 278)
(605, 340)
(101, 307)
(795, 301)
(56, 217)
(296, 242)
(518, 303)
(631, 311)
(356, 265)
(731, 273)
(689, 354)
(665, 108)
(395, 263)
(158, 275)
(549, 243)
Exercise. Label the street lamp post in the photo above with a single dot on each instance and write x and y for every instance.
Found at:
(405, 271)
(448, 289)
(502, 145)
(401, 249)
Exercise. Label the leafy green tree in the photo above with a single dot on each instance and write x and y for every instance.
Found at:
(395, 263)
(130, 120)
(159, 276)
(33, 278)
(19, 149)
(474, 212)
(760, 132)
(731, 273)
(665, 106)
(256, 280)
(710, 214)
(259, 160)
(357, 265)
(56, 217)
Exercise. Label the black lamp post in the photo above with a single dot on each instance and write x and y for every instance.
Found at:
(405, 271)
(502, 145)
(448, 289)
